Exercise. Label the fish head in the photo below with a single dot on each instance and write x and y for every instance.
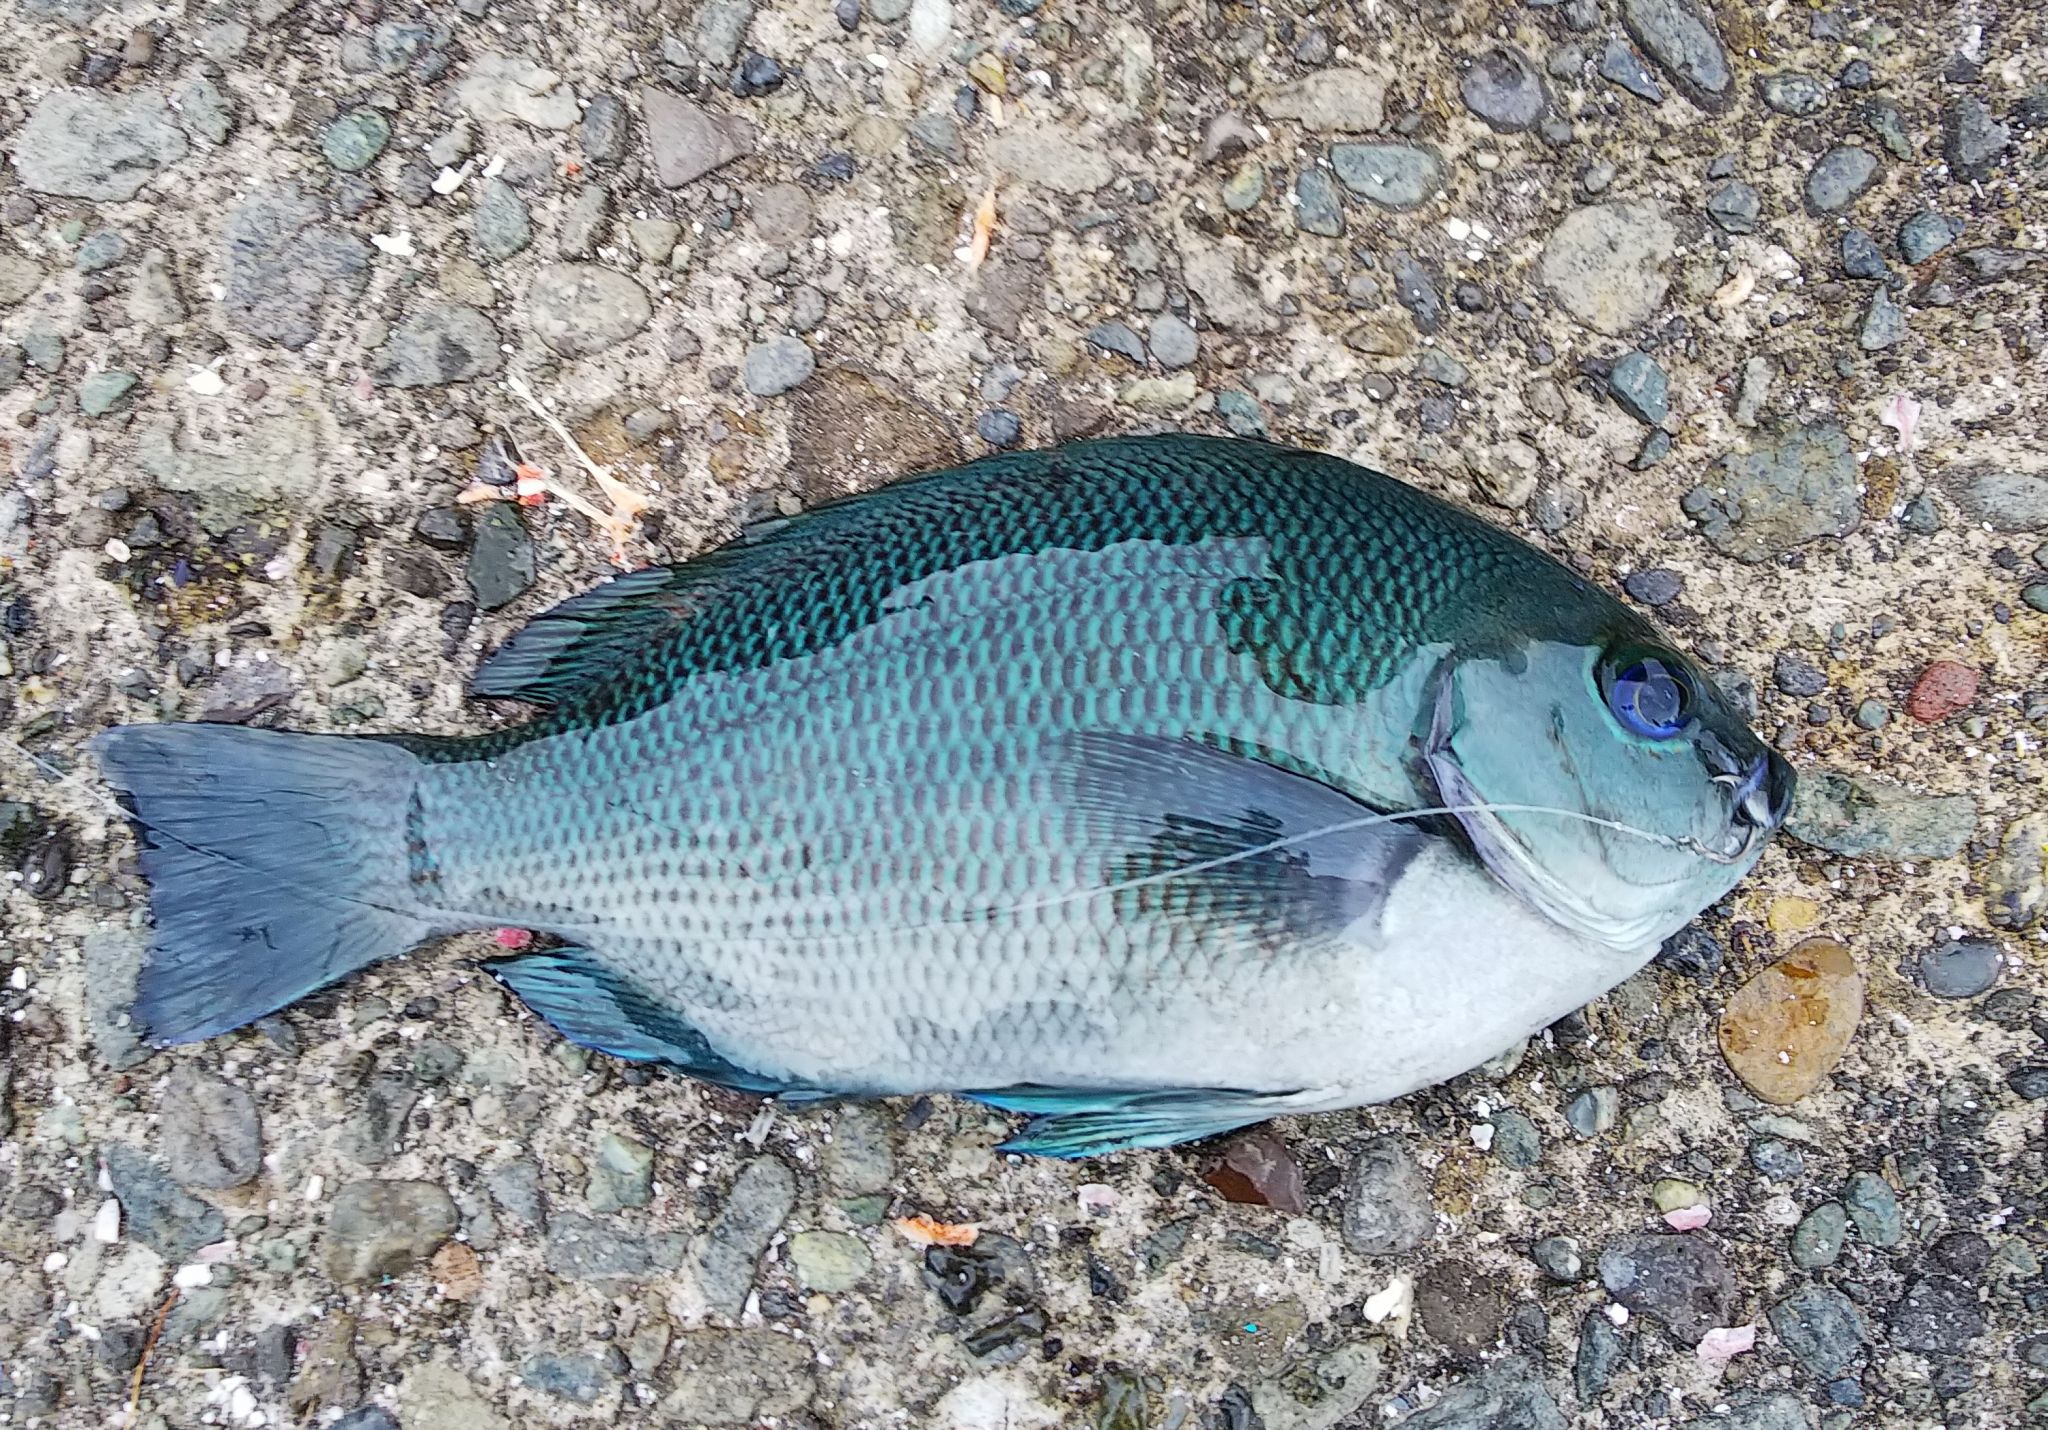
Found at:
(1605, 781)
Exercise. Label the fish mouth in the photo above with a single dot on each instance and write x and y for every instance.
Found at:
(1508, 859)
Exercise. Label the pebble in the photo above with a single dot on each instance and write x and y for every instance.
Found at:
(606, 130)
(1173, 343)
(1787, 487)
(209, 1131)
(1640, 388)
(1787, 1027)
(777, 365)
(2003, 499)
(1884, 323)
(1945, 689)
(101, 392)
(1387, 1209)
(1798, 95)
(1394, 176)
(1655, 587)
(1255, 1168)
(437, 345)
(1441, 368)
(1515, 1139)
(99, 252)
(1558, 1257)
(577, 1378)
(1681, 1279)
(2016, 880)
(1779, 1161)
(377, 1229)
(1692, 951)
(1508, 1394)
(501, 566)
(1606, 264)
(1319, 209)
(1861, 257)
(1736, 207)
(1938, 1315)
(153, 1209)
(1961, 969)
(1874, 1207)
(1754, 389)
(1243, 190)
(583, 308)
(1331, 101)
(283, 265)
(688, 141)
(1972, 141)
(1794, 674)
(1593, 1111)
(624, 1173)
(1821, 1327)
(582, 1248)
(829, 1261)
(1840, 177)
(763, 1195)
(1601, 1349)
(739, 1377)
(353, 142)
(1818, 1238)
(1502, 87)
(1683, 44)
(1925, 234)
(1866, 817)
(502, 225)
(99, 145)
(1000, 428)
(1119, 339)
(1621, 65)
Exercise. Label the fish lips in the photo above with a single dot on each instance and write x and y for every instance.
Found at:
(1508, 859)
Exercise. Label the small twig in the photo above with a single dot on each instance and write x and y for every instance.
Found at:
(142, 1361)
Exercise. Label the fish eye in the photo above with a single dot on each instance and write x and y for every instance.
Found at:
(1651, 697)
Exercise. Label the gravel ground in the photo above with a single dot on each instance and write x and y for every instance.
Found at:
(1739, 313)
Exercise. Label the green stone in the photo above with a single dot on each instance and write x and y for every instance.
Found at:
(354, 141)
(829, 1261)
(2036, 596)
(865, 1211)
(98, 394)
(1874, 1207)
(1245, 188)
(1817, 1240)
(1673, 1195)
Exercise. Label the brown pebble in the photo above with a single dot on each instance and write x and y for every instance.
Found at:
(1257, 1169)
(1945, 688)
(1785, 1029)
(140, 49)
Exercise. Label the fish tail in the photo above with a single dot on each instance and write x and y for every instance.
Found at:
(277, 864)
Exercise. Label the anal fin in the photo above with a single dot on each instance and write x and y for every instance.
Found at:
(596, 1008)
(1089, 1122)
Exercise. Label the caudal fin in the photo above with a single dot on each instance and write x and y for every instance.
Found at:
(277, 864)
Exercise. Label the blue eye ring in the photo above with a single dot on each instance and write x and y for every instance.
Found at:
(1650, 697)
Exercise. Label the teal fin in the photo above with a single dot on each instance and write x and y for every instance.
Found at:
(595, 1008)
(1214, 839)
(590, 637)
(1071, 1123)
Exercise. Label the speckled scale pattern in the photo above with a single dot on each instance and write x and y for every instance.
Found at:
(825, 820)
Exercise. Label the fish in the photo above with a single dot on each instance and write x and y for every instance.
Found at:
(1152, 787)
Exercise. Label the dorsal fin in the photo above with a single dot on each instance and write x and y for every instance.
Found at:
(588, 636)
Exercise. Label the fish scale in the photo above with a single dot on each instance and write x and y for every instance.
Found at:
(1055, 771)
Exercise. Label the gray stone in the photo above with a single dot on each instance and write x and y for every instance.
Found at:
(1515, 1139)
(1601, 1349)
(1681, 1280)
(606, 129)
(392, 47)
(1794, 674)
(1502, 87)
(1818, 1238)
(1971, 140)
(100, 251)
(1387, 1209)
(582, 226)
(19, 277)
(1778, 1160)
(498, 89)
(689, 141)
(1961, 969)
(1798, 95)
(154, 1211)
(582, 1248)
(353, 142)
(1683, 43)
(153, 298)
(624, 1174)
(209, 1130)
(775, 366)
(737, 1378)
(501, 564)
(1736, 207)
(269, 466)
(1640, 387)
(1925, 234)
(581, 308)
(283, 265)
(204, 113)
(655, 238)
(2002, 499)
(1839, 178)
(1243, 190)
(515, 1186)
(502, 225)
(1621, 65)
(577, 1378)
(2016, 881)
(1938, 1315)
(829, 1261)
(1048, 156)
(1758, 373)
(1861, 257)
(1227, 300)
(718, 29)
(1771, 1412)
(1318, 1395)
(1889, 126)
(377, 1124)
(101, 392)
(1874, 1207)
(377, 1229)
(1318, 209)
(1559, 1258)
(437, 345)
(1173, 343)
(1331, 101)
(782, 214)
(102, 145)
(1821, 1327)
(724, 1259)
(1440, 367)
(1790, 486)
(1506, 1395)
(938, 132)
(1606, 264)
(859, 1158)
(1863, 817)
(1593, 1111)
(1394, 176)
